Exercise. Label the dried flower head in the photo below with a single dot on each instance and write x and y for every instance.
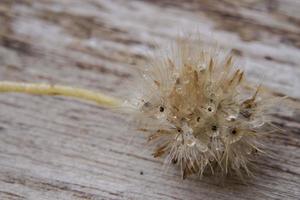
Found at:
(199, 115)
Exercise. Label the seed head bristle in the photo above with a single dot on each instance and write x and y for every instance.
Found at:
(197, 112)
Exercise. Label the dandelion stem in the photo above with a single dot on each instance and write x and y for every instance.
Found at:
(58, 90)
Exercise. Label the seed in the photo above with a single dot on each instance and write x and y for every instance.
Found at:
(161, 109)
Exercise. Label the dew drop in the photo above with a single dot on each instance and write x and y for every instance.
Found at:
(257, 123)
(231, 118)
(179, 89)
(191, 143)
(179, 139)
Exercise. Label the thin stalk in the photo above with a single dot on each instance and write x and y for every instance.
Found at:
(58, 90)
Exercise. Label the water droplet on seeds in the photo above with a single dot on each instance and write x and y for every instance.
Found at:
(191, 143)
(179, 89)
(257, 123)
(179, 139)
(231, 118)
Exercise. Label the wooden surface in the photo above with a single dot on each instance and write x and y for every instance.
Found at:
(56, 148)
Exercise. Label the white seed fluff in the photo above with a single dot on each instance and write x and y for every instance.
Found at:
(198, 113)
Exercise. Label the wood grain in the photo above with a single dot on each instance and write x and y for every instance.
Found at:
(57, 148)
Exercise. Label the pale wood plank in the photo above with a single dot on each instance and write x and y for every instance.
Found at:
(54, 148)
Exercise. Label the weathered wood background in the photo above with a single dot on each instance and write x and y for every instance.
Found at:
(56, 148)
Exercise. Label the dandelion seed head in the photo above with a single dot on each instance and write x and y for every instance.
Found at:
(194, 106)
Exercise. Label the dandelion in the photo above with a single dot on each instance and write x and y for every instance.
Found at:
(198, 114)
